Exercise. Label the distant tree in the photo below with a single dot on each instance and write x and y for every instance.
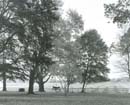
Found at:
(94, 58)
(119, 13)
(123, 49)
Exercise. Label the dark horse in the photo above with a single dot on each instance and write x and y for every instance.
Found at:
(56, 88)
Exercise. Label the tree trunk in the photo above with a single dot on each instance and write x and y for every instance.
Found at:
(41, 87)
(31, 81)
(4, 81)
(4, 73)
(84, 82)
(84, 78)
(41, 84)
(128, 64)
(68, 85)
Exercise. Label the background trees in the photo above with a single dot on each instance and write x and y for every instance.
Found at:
(122, 48)
(34, 37)
(120, 13)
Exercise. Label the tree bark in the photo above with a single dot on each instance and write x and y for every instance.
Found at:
(84, 78)
(41, 84)
(4, 81)
(68, 85)
(41, 87)
(84, 82)
(128, 64)
(31, 82)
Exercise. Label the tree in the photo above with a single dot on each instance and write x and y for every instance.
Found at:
(33, 24)
(123, 48)
(66, 66)
(119, 12)
(93, 60)
(8, 44)
(43, 75)
(66, 49)
(10, 66)
(7, 31)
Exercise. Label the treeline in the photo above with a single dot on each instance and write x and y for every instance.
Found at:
(36, 42)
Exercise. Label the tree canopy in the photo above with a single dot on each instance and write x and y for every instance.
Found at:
(119, 12)
(94, 58)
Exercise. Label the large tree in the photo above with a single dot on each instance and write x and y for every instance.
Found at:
(94, 58)
(32, 22)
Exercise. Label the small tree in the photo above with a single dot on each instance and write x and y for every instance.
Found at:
(66, 49)
(66, 66)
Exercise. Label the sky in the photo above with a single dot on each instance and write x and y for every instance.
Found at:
(92, 12)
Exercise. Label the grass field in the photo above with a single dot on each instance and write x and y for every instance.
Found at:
(59, 99)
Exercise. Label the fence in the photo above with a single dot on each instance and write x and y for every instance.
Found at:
(108, 90)
(114, 90)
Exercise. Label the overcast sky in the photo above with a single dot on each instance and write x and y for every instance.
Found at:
(92, 12)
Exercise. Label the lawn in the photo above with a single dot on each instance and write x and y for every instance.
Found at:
(12, 98)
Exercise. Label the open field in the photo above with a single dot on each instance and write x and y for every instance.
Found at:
(14, 86)
(121, 86)
(15, 98)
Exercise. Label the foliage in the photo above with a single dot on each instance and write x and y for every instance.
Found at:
(31, 23)
(66, 49)
(94, 58)
(123, 49)
(119, 12)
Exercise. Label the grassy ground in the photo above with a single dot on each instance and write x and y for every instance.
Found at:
(59, 99)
